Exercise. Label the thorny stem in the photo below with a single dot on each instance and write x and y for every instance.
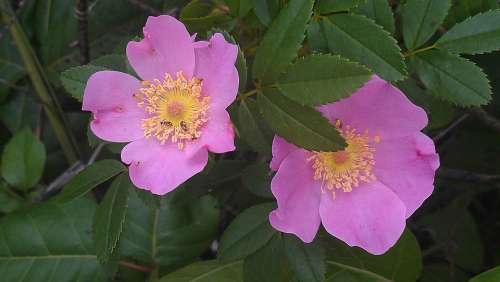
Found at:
(414, 52)
(41, 85)
(83, 33)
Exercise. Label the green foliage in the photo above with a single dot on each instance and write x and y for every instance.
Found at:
(200, 16)
(247, 233)
(282, 41)
(306, 260)
(252, 128)
(322, 79)
(257, 180)
(300, 125)
(421, 19)
(75, 79)
(328, 6)
(353, 37)
(491, 275)
(23, 160)
(207, 271)
(266, 10)
(476, 35)
(50, 241)
(380, 11)
(462, 9)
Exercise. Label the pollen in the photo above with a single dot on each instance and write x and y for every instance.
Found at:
(177, 111)
(345, 170)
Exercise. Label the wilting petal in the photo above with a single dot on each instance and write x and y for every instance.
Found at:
(161, 168)
(281, 149)
(298, 197)
(371, 217)
(215, 65)
(407, 166)
(117, 117)
(380, 108)
(167, 47)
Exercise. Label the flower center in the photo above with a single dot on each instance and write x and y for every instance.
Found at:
(348, 168)
(176, 108)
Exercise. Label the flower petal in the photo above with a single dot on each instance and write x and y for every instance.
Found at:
(161, 168)
(215, 65)
(281, 149)
(167, 47)
(218, 134)
(117, 117)
(380, 108)
(298, 197)
(407, 166)
(371, 216)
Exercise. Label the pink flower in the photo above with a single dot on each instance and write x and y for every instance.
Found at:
(364, 194)
(175, 113)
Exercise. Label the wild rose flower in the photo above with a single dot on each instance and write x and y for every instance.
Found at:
(175, 113)
(363, 194)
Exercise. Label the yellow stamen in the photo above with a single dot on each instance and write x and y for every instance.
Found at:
(346, 169)
(176, 108)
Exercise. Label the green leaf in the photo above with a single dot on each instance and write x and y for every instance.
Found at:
(176, 233)
(50, 242)
(247, 233)
(252, 128)
(463, 9)
(401, 263)
(23, 160)
(75, 79)
(9, 201)
(380, 11)
(207, 271)
(306, 260)
(266, 10)
(421, 19)
(257, 179)
(109, 218)
(360, 39)
(300, 125)
(282, 41)
(200, 16)
(268, 264)
(338, 272)
(89, 178)
(321, 79)
(476, 35)
(452, 78)
(11, 65)
(331, 6)
(315, 37)
(239, 8)
(491, 275)
(19, 111)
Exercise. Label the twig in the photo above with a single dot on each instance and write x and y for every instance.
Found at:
(141, 268)
(145, 7)
(447, 130)
(81, 12)
(486, 118)
(456, 174)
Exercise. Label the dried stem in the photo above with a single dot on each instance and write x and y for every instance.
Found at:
(81, 12)
(450, 127)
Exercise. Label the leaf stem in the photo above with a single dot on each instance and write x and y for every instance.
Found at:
(41, 85)
(414, 52)
(131, 265)
(245, 95)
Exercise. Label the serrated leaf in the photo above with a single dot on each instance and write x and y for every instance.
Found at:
(360, 39)
(75, 79)
(247, 233)
(281, 41)
(266, 10)
(207, 271)
(109, 218)
(50, 242)
(89, 178)
(380, 11)
(176, 233)
(321, 79)
(452, 78)
(462, 9)
(476, 35)
(300, 125)
(315, 37)
(491, 275)
(403, 262)
(257, 179)
(199, 16)
(252, 128)
(306, 260)
(23, 160)
(421, 19)
(331, 6)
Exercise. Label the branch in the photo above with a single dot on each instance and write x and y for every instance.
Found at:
(81, 12)
(486, 118)
(448, 129)
(145, 7)
(457, 174)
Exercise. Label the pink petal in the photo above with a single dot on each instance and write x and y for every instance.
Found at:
(281, 149)
(380, 108)
(371, 217)
(161, 168)
(298, 197)
(167, 47)
(407, 166)
(218, 133)
(215, 65)
(117, 117)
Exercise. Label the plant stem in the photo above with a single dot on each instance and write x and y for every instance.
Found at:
(83, 34)
(414, 52)
(40, 83)
(131, 265)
